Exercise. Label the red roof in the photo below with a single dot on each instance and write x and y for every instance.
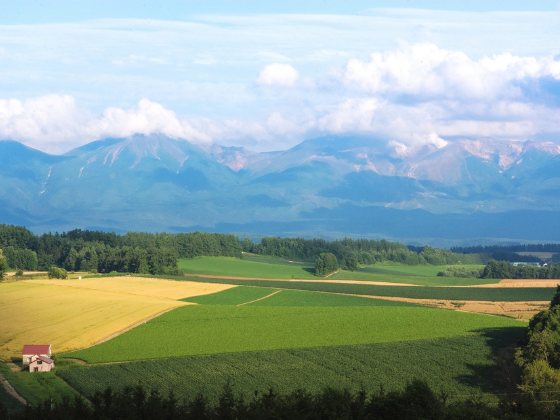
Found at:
(36, 349)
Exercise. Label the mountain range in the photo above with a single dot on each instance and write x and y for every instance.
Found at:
(329, 186)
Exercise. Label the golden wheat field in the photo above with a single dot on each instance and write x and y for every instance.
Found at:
(72, 314)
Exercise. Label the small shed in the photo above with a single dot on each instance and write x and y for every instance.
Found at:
(30, 350)
(40, 364)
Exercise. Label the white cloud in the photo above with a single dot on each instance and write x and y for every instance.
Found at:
(282, 75)
(425, 71)
(55, 124)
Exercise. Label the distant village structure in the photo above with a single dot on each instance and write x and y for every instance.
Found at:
(38, 357)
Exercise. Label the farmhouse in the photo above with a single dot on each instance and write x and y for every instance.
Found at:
(30, 350)
(40, 364)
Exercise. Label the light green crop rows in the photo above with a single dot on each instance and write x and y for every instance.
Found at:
(200, 329)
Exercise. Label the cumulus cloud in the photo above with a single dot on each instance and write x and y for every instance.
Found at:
(55, 124)
(281, 75)
(425, 71)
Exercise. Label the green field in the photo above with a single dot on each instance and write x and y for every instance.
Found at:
(243, 295)
(284, 321)
(223, 266)
(370, 273)
(460, 365)
(256, 266)
(36, 388)
(498, 294)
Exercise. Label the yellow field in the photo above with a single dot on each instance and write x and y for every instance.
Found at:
(72, 314)
(158, 288)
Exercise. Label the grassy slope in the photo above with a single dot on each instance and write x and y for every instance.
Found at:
(223, 266)
(498, 294)
(458, 365)
(9, 402)
(275, 268)
(211, 329)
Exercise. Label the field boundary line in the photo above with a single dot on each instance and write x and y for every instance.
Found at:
(256, 300)
(11, 390)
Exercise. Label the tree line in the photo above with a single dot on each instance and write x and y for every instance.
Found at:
(365, 251)
(416, 401)
(490, 249)
(506, 270)
(134, 252)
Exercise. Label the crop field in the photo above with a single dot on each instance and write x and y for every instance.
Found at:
(493, 294)
(155, 288)
(72, 317)
(212, 329)
(460, 366)
(260, 296)
(417, 270)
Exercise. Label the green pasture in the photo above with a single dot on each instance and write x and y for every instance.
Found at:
(213, 329)
(459, 366)
(224, 266)
(257, 266)
(247, 295)
(497, 294)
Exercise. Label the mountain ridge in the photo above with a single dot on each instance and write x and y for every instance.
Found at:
(159, 183)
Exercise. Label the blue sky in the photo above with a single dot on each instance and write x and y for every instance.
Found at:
(268, 74)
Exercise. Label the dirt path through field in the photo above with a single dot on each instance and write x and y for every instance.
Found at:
(376, 283)
(256, 300)
(10, 389)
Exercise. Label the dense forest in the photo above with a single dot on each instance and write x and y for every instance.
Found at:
(505, 270)
(134, 252)
(157, 253)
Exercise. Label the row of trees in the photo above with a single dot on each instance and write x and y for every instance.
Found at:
(490, 249)
(506, 270)
(416, 401)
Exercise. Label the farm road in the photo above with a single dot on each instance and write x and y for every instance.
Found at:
(10, 389)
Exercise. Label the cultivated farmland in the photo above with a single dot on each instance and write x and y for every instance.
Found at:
(461, 365)
(284, 323)
(494, 294)
(72, 314)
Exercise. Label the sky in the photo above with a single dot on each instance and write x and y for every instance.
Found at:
(268, 74)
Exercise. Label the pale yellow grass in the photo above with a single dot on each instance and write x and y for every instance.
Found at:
(158, 288)
(71, 317)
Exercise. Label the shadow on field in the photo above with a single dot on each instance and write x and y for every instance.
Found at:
(500, 374)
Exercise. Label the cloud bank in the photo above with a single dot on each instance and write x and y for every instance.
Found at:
(413, 94)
